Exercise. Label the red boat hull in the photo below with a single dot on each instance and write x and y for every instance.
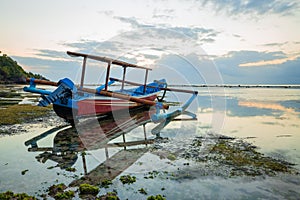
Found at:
(96, 107)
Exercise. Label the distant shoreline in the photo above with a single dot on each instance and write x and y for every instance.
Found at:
(292, 86)
(241, 86)
(220, 86)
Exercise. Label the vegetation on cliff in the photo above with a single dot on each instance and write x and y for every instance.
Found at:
(11, 72)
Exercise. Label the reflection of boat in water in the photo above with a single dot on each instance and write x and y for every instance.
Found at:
(70, 143)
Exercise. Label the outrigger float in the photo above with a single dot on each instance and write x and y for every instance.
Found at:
(73, 102)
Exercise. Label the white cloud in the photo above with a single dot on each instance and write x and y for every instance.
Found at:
(287, 72)
(269, 62)
(261, 7)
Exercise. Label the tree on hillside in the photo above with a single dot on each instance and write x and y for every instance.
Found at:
(11, 72)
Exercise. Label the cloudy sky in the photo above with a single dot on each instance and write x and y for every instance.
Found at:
(196, 41)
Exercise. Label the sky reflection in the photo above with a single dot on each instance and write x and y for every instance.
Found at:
(268, 118)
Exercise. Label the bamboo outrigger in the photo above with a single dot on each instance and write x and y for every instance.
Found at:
(72, 102)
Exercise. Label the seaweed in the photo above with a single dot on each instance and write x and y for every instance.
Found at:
(17, 114)
(71, 169)
(157, 197)
(171, 157)
(55, 189)
(105, 183)
(127, 179)
(142, 191)
(109, 196)
(238, 156)
(65, 195)
(8, 195)
(87, 189)
(245, 157)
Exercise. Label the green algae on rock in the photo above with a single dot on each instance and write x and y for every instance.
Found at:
(142, 191)
(105, 183)
(65, 195)
(237, 156)
(245, 156)
(171, 157)
(88, 189)
(55, 189)
(109, 196)
(218, 155)
(71, 169)
(157, 197)
(8, 195)
(127, 179)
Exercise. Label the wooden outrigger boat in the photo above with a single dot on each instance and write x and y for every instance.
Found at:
(72, 102)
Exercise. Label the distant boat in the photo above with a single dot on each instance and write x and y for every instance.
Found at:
(72, 102)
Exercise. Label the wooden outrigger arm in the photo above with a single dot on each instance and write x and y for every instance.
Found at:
(42, 82)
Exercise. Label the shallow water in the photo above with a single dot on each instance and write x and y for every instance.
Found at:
(266, 117)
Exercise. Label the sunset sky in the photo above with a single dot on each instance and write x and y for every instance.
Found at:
(225, 41)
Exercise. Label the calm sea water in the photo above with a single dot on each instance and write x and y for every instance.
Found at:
(266, 117)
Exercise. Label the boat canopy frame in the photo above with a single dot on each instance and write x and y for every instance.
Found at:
(109, 62)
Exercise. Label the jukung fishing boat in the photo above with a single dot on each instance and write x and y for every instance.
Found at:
(73, 102)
